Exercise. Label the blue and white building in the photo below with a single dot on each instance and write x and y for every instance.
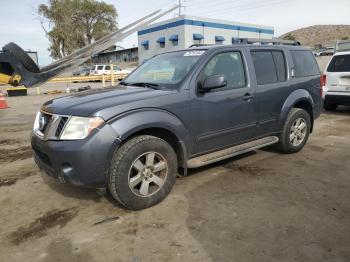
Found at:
(184, 31)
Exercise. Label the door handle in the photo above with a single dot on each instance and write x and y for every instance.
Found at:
(247, 97)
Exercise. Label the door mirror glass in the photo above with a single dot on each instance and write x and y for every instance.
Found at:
(213, 82)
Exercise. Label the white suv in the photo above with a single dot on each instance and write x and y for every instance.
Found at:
(335, 81)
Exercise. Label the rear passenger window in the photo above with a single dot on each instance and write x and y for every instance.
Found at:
(304, 63)
(270, 66)
(107, 68)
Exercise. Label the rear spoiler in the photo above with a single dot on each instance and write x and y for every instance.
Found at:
(17, 68)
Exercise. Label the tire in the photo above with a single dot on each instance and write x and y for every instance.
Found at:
(329, 107)
(288, 145)
(128, 179)
(23, 57)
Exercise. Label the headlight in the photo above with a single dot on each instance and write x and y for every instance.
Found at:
(80, 127)
(36, 122)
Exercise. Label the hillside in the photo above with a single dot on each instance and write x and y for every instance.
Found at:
(319, 34)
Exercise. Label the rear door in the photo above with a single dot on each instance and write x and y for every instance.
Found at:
(338, 74)
(272, 87)
(224, 116)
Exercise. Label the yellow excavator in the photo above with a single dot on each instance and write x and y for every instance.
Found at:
(17, 68)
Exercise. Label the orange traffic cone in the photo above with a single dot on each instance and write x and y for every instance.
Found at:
(3, 103)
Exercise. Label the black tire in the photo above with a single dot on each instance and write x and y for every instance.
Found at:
(22, 56)
(123, 162)
(285, 144)
(329, 107)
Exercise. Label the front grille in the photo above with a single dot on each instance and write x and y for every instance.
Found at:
(51, 126)
(60, 126)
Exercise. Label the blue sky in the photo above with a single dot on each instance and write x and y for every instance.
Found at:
(20, 24)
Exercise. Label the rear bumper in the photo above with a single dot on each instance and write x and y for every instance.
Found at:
(339, 99)
(80, 162)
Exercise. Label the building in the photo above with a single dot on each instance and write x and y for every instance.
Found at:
(184, 31)
(117, 55)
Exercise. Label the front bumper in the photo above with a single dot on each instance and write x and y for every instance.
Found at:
(78, 162)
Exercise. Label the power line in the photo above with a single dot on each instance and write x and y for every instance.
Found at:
(246, 6)
(210, 3)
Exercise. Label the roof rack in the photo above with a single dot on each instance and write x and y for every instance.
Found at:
(256, 41)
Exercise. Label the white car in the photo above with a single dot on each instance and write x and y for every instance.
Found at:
(335, 81)
(106, 70)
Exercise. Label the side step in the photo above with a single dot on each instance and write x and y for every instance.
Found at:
(231, 151)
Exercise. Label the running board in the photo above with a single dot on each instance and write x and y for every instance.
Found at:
(230, 152)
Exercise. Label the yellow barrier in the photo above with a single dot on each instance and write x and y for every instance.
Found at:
(87, 78)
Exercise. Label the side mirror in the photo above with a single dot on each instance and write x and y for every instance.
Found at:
(213, 82)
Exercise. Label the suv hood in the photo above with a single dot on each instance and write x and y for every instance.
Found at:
(121, 98)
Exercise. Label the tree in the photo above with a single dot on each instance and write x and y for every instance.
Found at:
(345, 38)
(72, 24)
(289, 36)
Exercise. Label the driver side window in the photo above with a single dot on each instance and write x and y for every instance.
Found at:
(229, 64)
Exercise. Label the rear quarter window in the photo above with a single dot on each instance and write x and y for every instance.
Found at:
(339, 63)
(304, 63)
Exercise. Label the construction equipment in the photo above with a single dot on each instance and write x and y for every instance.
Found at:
(17, 68)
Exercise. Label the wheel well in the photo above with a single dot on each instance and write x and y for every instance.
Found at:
(167, 136)
(308, 108)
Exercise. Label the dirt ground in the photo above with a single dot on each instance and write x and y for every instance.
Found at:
(263, 206)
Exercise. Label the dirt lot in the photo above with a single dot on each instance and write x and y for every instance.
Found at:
(263, 206)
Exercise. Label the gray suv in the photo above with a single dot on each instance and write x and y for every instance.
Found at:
(179, 110)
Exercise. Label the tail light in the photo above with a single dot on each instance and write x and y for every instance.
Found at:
(323, 80)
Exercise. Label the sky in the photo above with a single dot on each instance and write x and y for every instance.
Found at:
(20, 24)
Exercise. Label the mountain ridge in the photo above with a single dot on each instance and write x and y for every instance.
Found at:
(324, 35)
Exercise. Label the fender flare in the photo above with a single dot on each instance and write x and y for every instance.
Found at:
(299, 95)
(131, 122)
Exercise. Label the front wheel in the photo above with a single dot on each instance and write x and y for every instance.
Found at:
(295, 131)
(142, 173)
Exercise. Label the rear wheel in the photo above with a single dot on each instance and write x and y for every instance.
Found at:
(142, 173)
(295, 132)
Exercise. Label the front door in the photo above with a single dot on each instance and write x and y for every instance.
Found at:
(224, 116)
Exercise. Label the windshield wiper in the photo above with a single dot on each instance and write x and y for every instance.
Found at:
(145, 84)
(124, 83)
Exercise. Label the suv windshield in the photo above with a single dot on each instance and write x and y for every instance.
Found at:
(166, 69)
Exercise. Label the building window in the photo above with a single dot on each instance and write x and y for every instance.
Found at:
(174, 40)
(197, 38)
(161, 42)
(219, 40)
(145, 44)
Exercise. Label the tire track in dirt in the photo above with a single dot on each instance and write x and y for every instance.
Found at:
(39, 227)
(11, 155)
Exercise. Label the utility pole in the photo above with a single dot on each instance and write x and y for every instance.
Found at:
(180, 7)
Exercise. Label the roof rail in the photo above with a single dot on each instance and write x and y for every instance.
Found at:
(199, 45)
(256, 41)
